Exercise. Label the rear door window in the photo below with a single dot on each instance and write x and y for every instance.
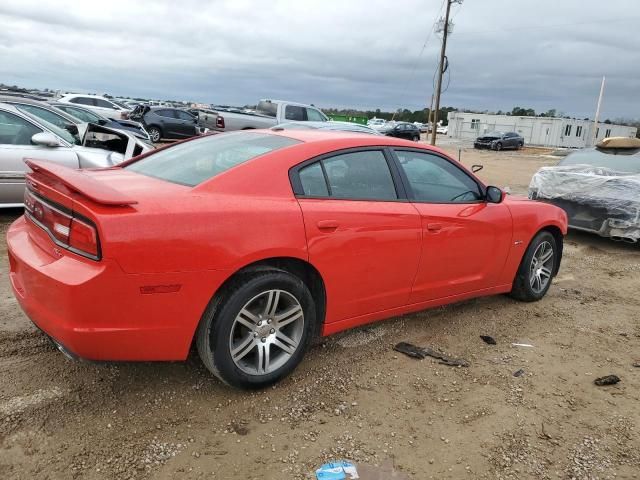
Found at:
(185, 116)
(355, 176)
(295, 113)
(166, 113)
(82, 101)
(193, 162)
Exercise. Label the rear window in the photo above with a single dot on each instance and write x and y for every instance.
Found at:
(193, 162)
(267, 108)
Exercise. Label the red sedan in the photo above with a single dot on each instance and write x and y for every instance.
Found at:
(252, 243)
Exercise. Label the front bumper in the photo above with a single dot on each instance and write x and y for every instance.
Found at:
(96, 311)
(618, 226)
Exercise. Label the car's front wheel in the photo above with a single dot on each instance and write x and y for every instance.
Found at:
(537, 268)
(258, 330)
(155, 134)
(497, 146)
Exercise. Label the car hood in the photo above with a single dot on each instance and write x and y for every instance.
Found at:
(488, 137)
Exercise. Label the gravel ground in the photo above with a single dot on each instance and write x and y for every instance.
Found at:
(353, 397)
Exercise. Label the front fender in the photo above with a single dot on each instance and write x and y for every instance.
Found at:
(529, 218)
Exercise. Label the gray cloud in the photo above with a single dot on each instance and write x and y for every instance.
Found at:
(361, 53)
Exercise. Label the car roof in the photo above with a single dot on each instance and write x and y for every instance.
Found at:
(357, 138)
(36, 103)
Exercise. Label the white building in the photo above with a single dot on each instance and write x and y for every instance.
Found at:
(543, 131)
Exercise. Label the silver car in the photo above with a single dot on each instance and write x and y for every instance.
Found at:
(23, 135)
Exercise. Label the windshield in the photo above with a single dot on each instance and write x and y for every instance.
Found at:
(193, 162)
(267, 108)
(120, 104)
(81, 114)
(620, 160)
(60, 132)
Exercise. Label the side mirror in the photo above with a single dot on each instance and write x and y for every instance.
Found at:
(494, 195)
(476, 168)
(45, 139)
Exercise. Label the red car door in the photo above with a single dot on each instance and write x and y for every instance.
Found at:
(362, 236)
(465, 239)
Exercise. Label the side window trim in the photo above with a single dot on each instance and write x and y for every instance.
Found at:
(407, 186)
(398, 182)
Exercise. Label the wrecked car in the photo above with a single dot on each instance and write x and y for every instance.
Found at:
(598, 187)
(23, 135)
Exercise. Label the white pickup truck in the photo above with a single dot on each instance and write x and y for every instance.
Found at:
(267, 114)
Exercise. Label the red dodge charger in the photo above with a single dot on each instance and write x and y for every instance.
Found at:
(250, 244)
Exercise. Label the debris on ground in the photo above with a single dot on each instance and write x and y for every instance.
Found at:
(488, 340)
(337, 471)
(518, 373)
(420, 352)
(636, 364)
(350, 471)
(607, 380)
(528, 345)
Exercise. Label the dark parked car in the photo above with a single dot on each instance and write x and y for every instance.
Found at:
(599, 188)
(499, 140)
(166, 122)
(402, 130)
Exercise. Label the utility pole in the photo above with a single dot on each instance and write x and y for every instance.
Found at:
(441, 68)
(594, 133)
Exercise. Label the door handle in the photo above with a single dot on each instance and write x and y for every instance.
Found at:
(327, 225)
(434, 227)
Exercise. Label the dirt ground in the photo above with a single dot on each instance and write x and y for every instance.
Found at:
(353, 397)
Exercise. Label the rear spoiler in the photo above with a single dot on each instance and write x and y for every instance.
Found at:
(78, 181)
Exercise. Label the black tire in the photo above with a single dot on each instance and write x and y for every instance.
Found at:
(522, 289)
(416, 138)
(217, 323)
(519, 146)
(155, 133)
(498, 146)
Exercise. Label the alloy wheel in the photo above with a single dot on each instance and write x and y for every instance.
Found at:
(154, 134)
(541, 267)
(266, 332)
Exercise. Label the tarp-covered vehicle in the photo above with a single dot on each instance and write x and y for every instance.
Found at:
(599, 188)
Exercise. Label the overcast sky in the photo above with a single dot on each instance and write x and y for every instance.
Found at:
(345, 53)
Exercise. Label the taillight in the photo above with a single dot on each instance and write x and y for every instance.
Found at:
(63, 226)
(83, 237)
(220, 121)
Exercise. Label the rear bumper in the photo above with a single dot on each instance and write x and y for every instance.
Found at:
(96, 311)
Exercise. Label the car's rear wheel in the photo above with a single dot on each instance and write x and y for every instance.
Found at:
(498, 146)
(257, 332)
(416, 138)
(519, 146)
(154, 134)
(537, 268)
